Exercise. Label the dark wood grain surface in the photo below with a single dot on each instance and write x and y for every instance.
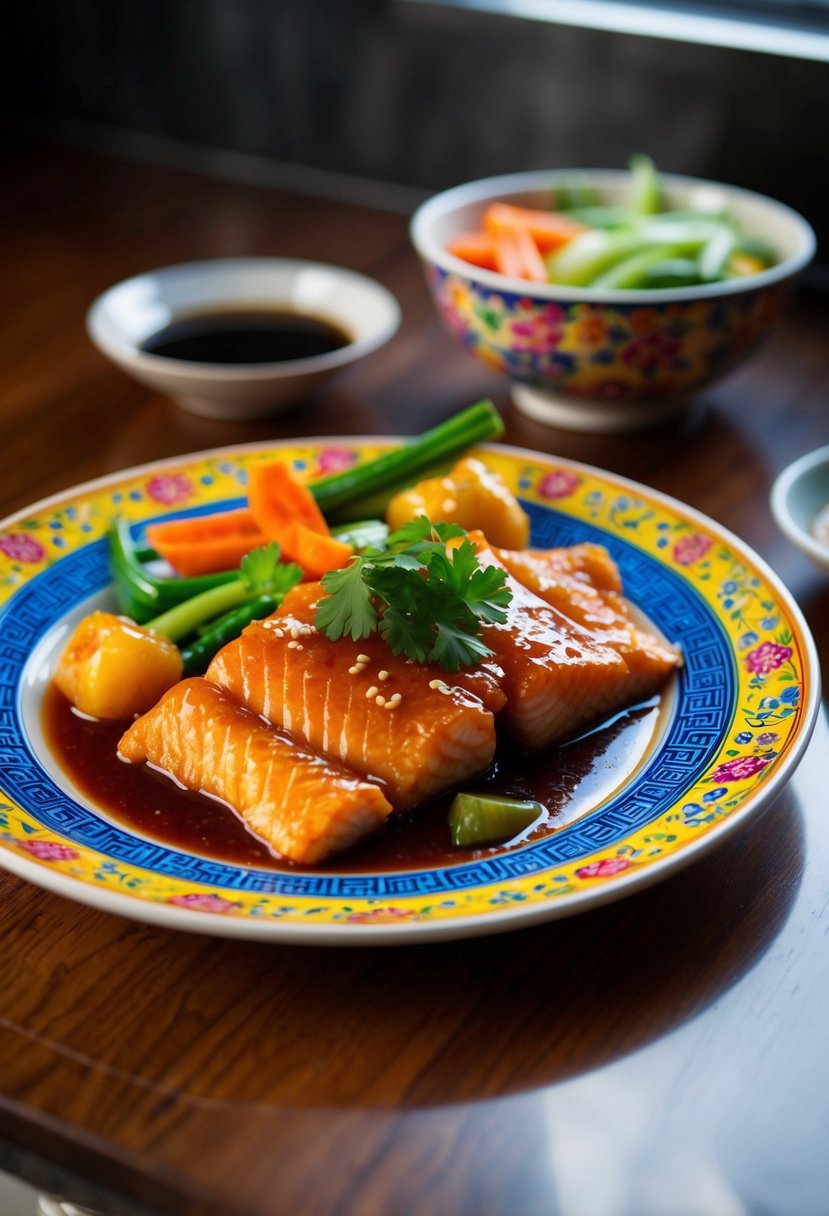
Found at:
(668, 1054)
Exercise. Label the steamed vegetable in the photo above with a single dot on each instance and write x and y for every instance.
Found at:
(641, 245)
(401, 466)
(114, 668)
(206, 543)
(285, 511)
(470, 495)
(142, 595)
(548, 229)
(476, 819)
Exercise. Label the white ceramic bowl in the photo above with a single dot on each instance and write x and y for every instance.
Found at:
(590, 358)
(127, 315)
(797, 495)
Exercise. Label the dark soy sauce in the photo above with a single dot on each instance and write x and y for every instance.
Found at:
(254, 336)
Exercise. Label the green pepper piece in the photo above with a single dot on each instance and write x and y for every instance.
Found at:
(142, 595)
(482, 818)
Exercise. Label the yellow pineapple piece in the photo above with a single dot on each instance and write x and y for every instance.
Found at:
(112, 668)
(472, 496)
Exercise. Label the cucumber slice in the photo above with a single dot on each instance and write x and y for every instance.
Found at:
(646, 195)
(484, 818)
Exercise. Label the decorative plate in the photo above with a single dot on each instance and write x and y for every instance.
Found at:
(743, 709)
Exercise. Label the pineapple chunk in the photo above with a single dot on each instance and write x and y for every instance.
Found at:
(472, 496)
(112, 668)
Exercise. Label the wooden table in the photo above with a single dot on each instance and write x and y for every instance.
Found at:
(667, 1054)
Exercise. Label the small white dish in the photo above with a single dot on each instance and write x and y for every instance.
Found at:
(798, 494)
(127, 315)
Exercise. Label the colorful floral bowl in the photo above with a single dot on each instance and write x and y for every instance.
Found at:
(614, 360)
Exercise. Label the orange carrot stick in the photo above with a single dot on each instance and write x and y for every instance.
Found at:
(475, 247)
(549, 229)
(315, 553)
(276, 497)
(285, 510)
(206, 543)
(517, 255)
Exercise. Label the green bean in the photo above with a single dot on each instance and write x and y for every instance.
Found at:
(197, 655)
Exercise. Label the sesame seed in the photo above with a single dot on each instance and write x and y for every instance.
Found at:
(394, 701)
(363, 658)
(382, 675)
(295, 632)
(371, 692)
(436, 684)
(354, 671)
(280, 633)
(381, 701)
(306, 631)
(294, 645)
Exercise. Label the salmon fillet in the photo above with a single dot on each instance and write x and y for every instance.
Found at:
(559, 677)
(302, 804)
(566, 579)
(419, 731)
(587, 562)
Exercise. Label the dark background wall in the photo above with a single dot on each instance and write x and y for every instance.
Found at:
(417, 95)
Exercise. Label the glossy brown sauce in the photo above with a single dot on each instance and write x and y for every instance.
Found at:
(261, 336)
(567, 782)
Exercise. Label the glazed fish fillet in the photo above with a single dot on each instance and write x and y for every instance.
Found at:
(394, 721)
(586, 562)
(559, 677)
(585, 587)
(302, 804)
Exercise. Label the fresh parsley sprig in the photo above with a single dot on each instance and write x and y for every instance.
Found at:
(426, 602)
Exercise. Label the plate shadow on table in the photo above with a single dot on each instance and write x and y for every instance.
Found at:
(412, 1026)
(486, 1017)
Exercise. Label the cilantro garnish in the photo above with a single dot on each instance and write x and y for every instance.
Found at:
(261, 572)
(426, 603)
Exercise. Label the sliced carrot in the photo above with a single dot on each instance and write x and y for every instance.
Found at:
(209, 556)
(517, 255)
(206, 543)
(475, 247)
(315, 553)
(203, 527)
(549, 229)
(276, 497)
(285, 510)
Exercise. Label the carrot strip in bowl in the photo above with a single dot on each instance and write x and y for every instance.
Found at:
(549, 229)
(517, 255)
(477, 248)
